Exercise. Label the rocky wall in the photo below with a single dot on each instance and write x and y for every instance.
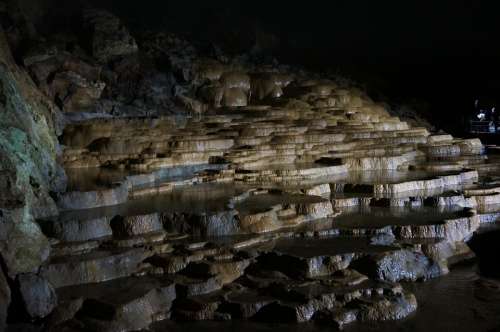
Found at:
(29, 172)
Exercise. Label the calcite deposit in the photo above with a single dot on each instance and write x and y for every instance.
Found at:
(222, 190)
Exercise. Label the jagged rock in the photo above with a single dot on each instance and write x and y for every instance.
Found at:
(74, 93)
(37, 294)
(399, 265)
(134, 86)
(23, 246)
(305, 301)
(384, 309)
(72, 83)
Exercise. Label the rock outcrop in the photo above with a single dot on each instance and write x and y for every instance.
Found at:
(28, 163)
(38, 295)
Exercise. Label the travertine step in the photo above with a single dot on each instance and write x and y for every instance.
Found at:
(96, 266)
(124, 304)
(309, 207)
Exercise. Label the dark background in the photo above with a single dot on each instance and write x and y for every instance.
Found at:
(439, 54)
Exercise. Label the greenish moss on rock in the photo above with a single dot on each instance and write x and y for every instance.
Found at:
(28, 166)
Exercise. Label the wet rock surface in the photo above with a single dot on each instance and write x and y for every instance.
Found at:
(401, 265)
(209, 188)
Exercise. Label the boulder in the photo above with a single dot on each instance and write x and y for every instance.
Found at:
(398, 265)
(28, 153)
(23, 246)
(38, 295)
(74, 93)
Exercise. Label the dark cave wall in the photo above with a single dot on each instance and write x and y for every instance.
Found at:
(443, 55)
(29, 172)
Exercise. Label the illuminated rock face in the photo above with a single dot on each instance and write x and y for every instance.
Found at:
(271, 179)
(28, 167)
(270, 194)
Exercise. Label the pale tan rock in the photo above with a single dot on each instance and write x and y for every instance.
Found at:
(452, 230)
(238, 80)
(234, 97)
(320, 190)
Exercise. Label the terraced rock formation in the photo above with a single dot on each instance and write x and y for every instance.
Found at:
(276, 195)
(265, 212)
